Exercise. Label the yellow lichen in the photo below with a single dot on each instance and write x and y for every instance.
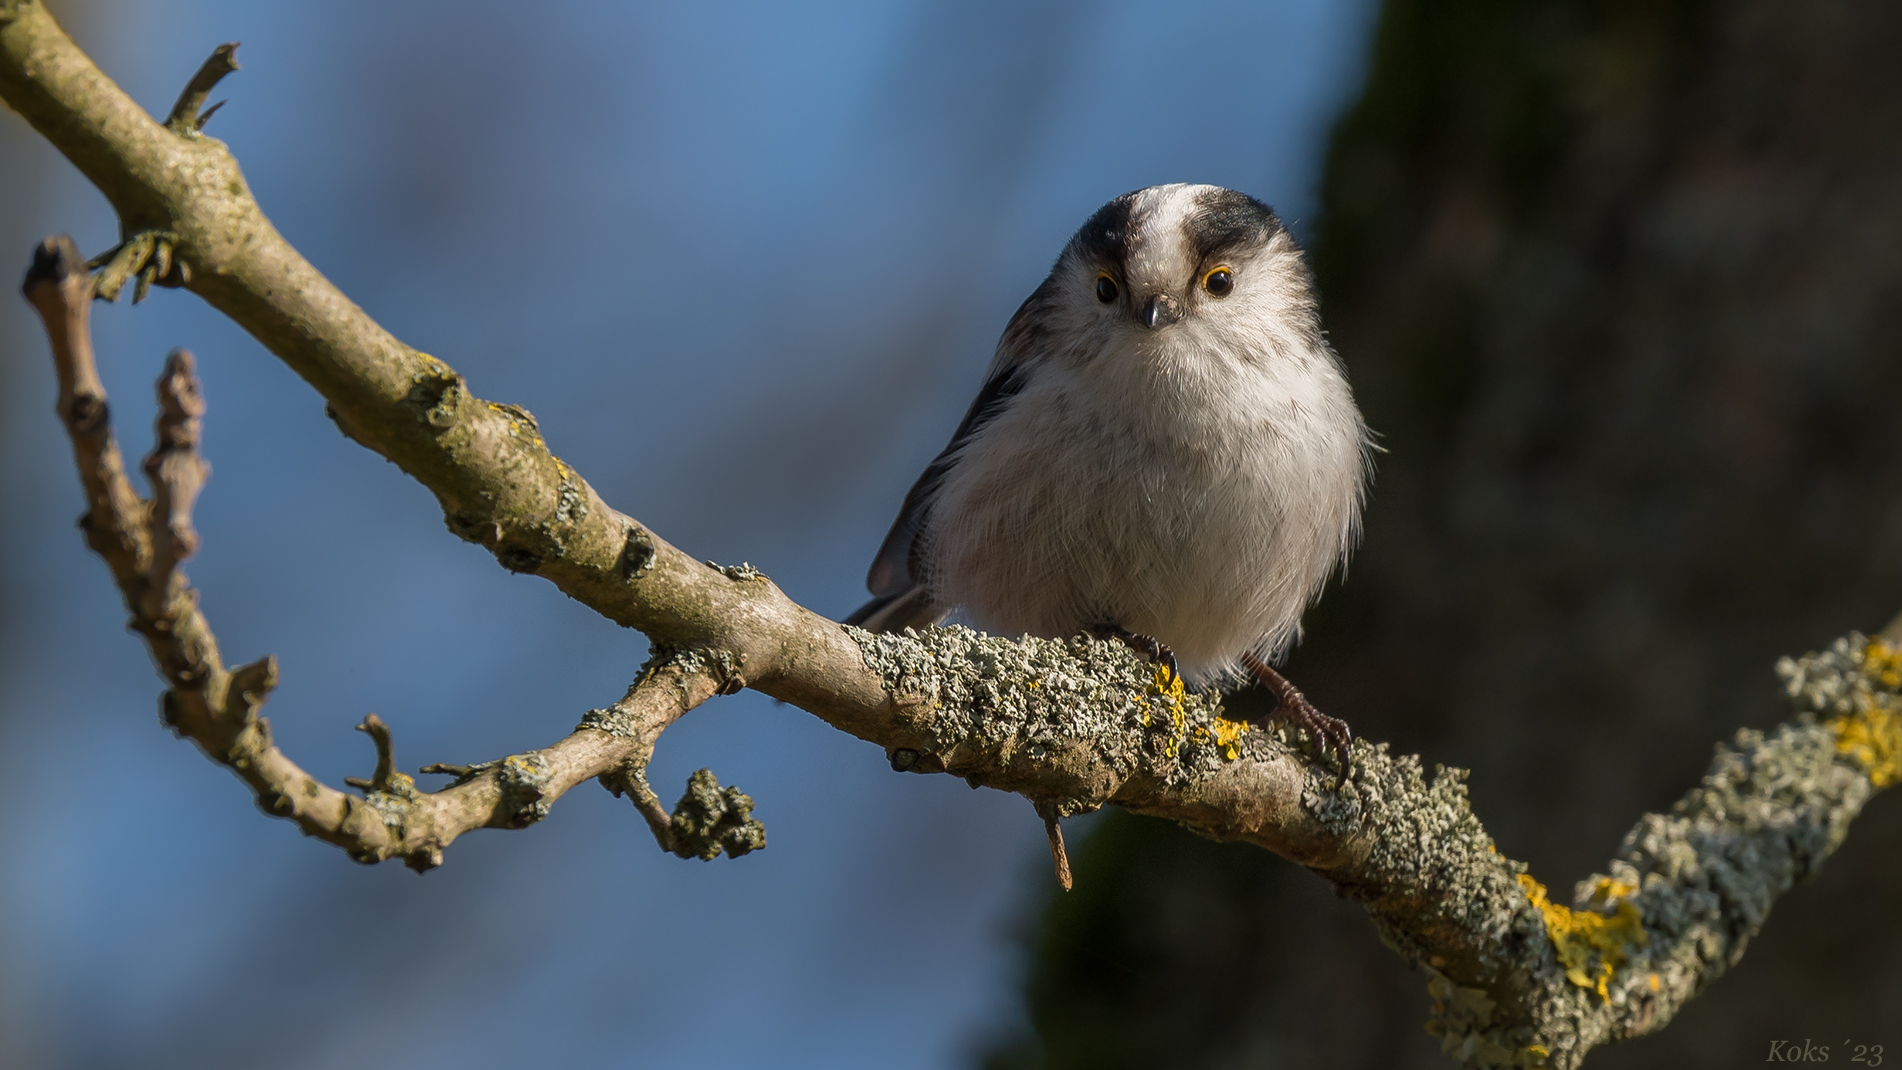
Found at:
(1168, 687)
(1227, 734)
(1608, 891)
(1872, 736)
(515, 426)
(1582, 936)
(1882, 660)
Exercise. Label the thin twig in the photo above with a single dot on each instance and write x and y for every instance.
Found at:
(219, 709)
(60, 290)
(631, 780)
(185, 117)
(1054, 831)
(379, 734)
(176, 468)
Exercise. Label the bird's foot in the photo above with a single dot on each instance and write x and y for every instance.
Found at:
(1294, 708)
(1148, 646)
(145, 258)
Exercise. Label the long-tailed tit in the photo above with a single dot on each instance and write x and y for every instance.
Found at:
(1165, 451)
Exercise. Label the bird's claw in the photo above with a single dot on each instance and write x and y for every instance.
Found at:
(1293, 707)
(1148, 646)
(1330, 732)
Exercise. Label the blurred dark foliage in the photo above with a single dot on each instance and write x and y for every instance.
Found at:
(1620, 284)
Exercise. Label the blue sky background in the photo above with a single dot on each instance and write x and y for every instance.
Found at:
(746, 262)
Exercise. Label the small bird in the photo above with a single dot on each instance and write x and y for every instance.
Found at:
(1165, 451)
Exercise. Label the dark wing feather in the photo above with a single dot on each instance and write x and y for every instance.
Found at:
(894, 569)
(896, 579)
(910, 608)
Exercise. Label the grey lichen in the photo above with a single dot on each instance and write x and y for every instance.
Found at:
(742, 572)
(710, 820)
(1441, 896)
(1517, 980)
(1770, 811)
(1689, 889)
(1002, 710)
(1462, 1018)
(393, 803)
(571, 502)
(1425, 838)
(435, 392)
(637, 552)
(1683, 898)
(612, 720)
(1834, 682)
(1072, 720)
(721, 665)
(523, 780)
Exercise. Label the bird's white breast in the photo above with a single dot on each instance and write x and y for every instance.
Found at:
(1191, 486)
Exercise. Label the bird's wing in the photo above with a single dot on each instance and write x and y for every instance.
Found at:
(896, 579)
(895, 569)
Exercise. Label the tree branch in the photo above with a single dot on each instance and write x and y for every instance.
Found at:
(218, 709)
(1070, 724)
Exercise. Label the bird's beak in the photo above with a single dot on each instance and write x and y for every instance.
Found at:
(1160, 311)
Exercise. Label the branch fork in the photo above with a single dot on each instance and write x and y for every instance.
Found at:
(144, 542)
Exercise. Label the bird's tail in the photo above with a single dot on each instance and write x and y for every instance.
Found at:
(912, 607)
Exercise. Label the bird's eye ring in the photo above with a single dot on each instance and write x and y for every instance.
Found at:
(1219, 282)
(1105, 288)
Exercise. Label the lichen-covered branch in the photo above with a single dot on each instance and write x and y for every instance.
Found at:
(1688, 890)
(1517, 979)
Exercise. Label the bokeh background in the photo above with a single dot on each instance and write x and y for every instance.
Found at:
(746, 263)
(1620, 284)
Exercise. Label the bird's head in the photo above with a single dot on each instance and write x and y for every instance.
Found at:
(1180, 269)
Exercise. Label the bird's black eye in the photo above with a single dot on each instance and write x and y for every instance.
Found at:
(1218, 282)
(1105, 289)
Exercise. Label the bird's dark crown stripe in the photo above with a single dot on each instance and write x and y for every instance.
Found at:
(1105, 238)
(1224, 221)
